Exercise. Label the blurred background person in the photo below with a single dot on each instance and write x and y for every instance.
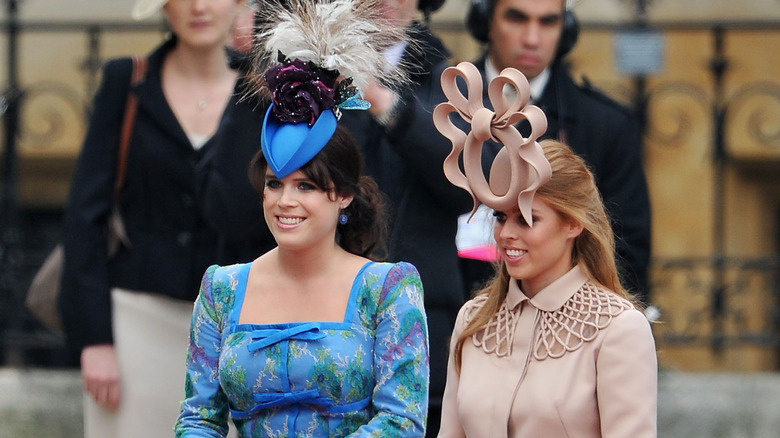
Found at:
(403, 153)
(127, 316)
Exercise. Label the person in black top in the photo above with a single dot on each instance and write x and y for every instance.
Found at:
(404, 154)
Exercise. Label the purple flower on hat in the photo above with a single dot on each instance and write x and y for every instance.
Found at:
(302, 91)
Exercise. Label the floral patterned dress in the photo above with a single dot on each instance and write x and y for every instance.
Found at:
(365, 376)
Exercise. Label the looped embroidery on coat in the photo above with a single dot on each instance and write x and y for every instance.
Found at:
(579, 320)
(496, 337)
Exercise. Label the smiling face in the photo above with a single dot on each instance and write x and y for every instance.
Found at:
(202, 23)
(536, 255)
(524, 34)
(300, 214)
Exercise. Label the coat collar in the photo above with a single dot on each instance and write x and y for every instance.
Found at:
(559, 88)
(536, 85)
(152, 99)
(553, 296)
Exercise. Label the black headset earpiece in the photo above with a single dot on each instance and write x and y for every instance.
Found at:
(429, 6)
(569, 34)
(478, 19)
(478, 25)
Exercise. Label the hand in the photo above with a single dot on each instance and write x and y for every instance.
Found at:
(381, 98)
(100, 372)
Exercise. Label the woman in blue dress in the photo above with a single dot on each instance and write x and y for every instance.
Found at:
(314, 338)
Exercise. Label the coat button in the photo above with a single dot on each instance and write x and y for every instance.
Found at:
(183, 239)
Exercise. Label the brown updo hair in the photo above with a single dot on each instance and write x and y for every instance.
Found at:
(337, 169)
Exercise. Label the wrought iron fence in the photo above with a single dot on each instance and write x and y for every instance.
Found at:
(724, 302)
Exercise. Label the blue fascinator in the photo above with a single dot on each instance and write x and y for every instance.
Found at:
(315, 54)
(302, 118)
(287, 146)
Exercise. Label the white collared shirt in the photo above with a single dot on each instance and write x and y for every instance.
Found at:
(536, 84)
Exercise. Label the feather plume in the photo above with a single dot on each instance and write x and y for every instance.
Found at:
(348, 36)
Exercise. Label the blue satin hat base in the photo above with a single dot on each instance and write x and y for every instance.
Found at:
(287, 147)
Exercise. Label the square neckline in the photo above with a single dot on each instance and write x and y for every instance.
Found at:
(240, 293)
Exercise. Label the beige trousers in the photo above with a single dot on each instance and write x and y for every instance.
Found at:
(151, 335)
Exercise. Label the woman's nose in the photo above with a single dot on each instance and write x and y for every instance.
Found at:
(532, 33)
(287, 196)
(508, 230)
(198, 5)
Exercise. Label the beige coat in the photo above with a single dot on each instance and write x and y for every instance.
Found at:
(574, 361)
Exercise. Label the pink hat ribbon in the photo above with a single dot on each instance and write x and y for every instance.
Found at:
(512, 183)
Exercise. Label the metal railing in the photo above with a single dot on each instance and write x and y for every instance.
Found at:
(718, 303)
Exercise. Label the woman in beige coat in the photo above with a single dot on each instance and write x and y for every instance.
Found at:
(553, 346)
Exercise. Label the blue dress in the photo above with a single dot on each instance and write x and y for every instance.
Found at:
(365, 376)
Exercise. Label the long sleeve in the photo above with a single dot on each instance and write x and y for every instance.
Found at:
(627, 379)
(205, 408)
(423, 149)
(401, 368)
(85, 300)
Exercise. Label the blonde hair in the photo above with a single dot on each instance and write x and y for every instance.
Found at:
(572, 193)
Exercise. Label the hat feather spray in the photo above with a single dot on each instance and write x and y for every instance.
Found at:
(314, 56)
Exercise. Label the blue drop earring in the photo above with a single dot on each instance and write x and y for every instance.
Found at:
(343, 218)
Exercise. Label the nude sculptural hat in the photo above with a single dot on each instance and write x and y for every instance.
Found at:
(520, 167)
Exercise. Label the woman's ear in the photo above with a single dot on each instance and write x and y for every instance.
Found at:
(344, 201)
(574, 228)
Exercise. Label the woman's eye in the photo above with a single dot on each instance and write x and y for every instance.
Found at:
(306, 186)
(273, 184)
(521, 220)
(500, 217)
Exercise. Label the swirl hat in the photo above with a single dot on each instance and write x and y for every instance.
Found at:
(520, 167)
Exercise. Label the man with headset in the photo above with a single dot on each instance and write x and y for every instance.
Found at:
(534, 36)
(404, 153)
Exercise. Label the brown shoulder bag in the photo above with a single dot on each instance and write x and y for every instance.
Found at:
(43, 293)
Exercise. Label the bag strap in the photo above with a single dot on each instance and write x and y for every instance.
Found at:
(139, 71)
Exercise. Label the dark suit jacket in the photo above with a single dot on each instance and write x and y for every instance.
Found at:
(171, 203)
(406, 161)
